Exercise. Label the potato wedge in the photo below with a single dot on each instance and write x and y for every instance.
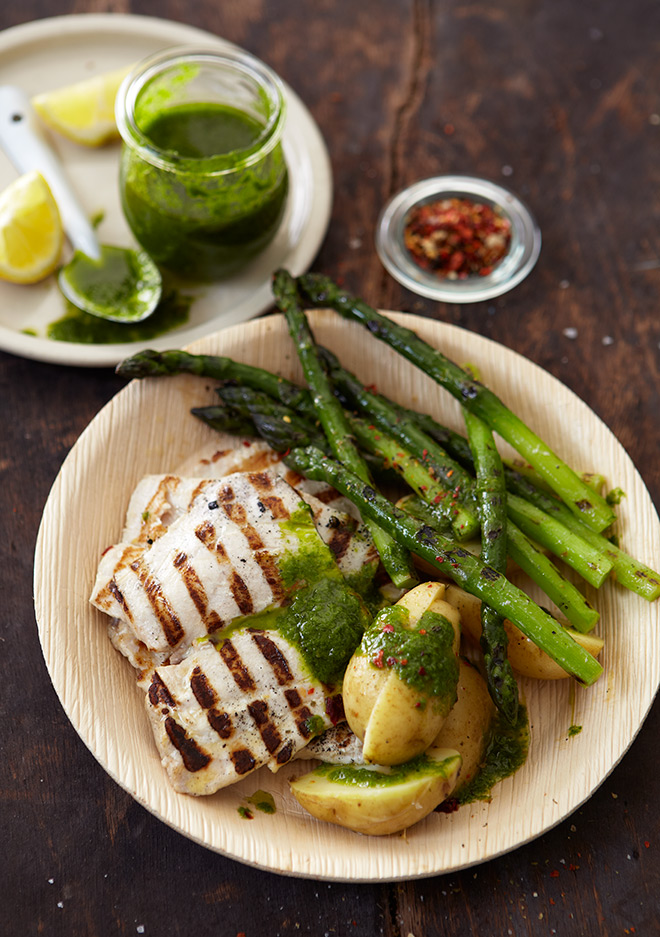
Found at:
(526, 658)
(391, 709)
(468, 726)
(375, 801)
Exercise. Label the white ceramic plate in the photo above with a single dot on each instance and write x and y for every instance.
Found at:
(147, 428)
(55, 52)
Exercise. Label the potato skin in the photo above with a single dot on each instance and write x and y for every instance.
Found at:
(394, 721)
(378, 811)
(526, 658)
(468, 726)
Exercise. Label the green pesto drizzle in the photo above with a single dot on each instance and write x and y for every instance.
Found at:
(615, 496)
(423, 656)
(312, 559)
(77, 326)
(361, 776)
(325, 622)
(506, 753)
(574, 730)
(262, 801)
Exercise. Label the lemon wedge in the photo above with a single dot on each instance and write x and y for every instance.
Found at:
(31, 233)
(83, 112)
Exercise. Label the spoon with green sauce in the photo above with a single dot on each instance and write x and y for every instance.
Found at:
(115, 283)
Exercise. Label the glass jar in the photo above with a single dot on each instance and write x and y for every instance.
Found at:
(203, 179)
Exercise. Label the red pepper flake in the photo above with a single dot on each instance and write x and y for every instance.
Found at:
(646, 843)
(372, 388)
(246, 442)
(425, 452)
(403, 661)
(439, 559)
(377, 659)
(422, 630)
(439, 497)
(450, 473)
(573, 868)
(310, 691)
(449, 129)
(552, 901)
(448, 806)
(391, 661)
(455, 238)
(423, 487)
(387, 628)
(554, 873)
(285, 453)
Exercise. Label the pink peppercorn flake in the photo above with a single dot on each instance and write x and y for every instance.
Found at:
(388, 628)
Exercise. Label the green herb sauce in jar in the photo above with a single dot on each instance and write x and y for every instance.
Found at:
(203, 178)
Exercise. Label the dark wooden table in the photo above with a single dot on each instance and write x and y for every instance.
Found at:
(559, 101)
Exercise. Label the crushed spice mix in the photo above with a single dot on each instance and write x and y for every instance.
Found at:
(455, 238)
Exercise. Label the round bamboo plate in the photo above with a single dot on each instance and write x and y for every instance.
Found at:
(147, 428)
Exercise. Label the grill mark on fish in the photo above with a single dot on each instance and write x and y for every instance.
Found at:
(166, 484)
(261, 481)
(114, 590)
(172, 628)
(220, 454)
(340, 541)
(197, 593)
(268, 731)
(193, 755)
(206, 534)
(276, 507)
(259, 460)
(241, 594)
(236, 667)
(197, 491)
(243, 760)
(226, 494)
(275, 658)
(327, 495)
(302, 717)
(284, 754)
(220, 722)
(238, 515)
(293, 698)
(202, 689)
(159, 693)
(271, 571)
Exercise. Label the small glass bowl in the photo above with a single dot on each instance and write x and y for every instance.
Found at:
(520, 258)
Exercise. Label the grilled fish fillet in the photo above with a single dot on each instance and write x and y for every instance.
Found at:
(219, 558)
(338, 745)
(224, 712)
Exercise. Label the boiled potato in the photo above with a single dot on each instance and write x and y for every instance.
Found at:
(526, 658)
(430, 597)
(394, 719)
(375, 801)
(468, 725)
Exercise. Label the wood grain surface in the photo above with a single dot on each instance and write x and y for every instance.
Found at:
(558, 101)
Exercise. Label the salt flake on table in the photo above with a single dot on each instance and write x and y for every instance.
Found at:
(607, 340)
(571, 332)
